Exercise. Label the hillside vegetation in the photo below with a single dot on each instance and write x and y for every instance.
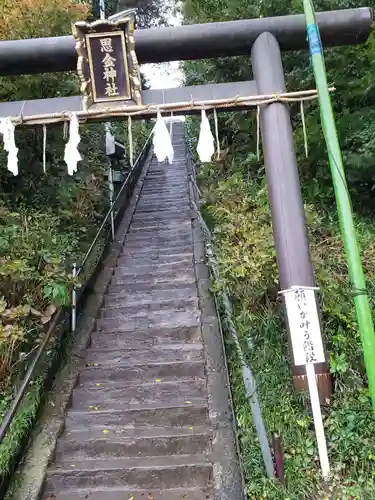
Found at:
(236, 207)
(47, 220)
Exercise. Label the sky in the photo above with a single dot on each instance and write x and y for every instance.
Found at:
(165, 75)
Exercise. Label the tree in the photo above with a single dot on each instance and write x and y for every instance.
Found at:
(150, 13)
(236, 205)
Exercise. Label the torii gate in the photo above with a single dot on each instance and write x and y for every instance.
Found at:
(265, 39)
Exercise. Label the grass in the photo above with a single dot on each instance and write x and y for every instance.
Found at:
(18, 433)
(238, 214)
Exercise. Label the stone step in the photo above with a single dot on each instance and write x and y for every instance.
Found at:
(119, 432)
(147, 245)
(131, 494)
(166, 237)
(160, 189)
(89, 444)
(165, 261)
(169, 299)
(126, 286)
(173, 415)
(157, 473)
(147, 337)
(156, 394)
(163, 184)
(148, 227)
(171, 211)
(154, 278)
(157, 354)
(155, 319)
(139, 217)
(160, 180)
(147, 223)
(178, 200)
(161, 218)
(151, 310)
(166, 211)
(161, 233)
(158, 251)
(165, 195)
(141, 373)
(138, 286)
(153, 269)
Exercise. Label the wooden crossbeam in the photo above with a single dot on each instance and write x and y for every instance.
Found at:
(56, 110)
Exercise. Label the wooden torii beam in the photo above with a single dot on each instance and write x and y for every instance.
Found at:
(188, 42)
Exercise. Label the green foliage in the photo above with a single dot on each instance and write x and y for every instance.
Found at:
(47, 220)
(236, 208)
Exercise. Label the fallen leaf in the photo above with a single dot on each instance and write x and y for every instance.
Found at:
(3, 304)
(26, 310)
(50, 311)
(45, 319)
(35, 312)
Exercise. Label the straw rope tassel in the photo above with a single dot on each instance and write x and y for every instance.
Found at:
(258, 133)
(217, 134)
(171, 127)
(130, 139)
(304, 129)
(44, 147)
(65, 130)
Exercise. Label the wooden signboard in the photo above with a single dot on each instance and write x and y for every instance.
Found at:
(107, 62)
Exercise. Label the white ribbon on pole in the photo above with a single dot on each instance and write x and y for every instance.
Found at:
(7, 130)
(72, 155)
(206, 143)
(162, 140)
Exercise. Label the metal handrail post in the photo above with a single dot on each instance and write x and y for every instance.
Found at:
(74, 299)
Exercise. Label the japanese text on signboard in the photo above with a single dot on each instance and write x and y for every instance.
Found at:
(108, 67)
(304, 326)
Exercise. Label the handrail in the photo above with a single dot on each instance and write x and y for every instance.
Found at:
(112, 207)
(8, 419)
(5, 424)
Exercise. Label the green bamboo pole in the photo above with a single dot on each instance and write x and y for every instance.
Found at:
(344, 207)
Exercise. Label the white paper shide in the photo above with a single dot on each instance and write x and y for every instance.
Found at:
(7, 130)
(72, 155)
(110, 146)
(304, 326)
(163, 148)
(206, 142)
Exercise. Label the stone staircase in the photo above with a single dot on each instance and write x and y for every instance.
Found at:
(139, 426)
